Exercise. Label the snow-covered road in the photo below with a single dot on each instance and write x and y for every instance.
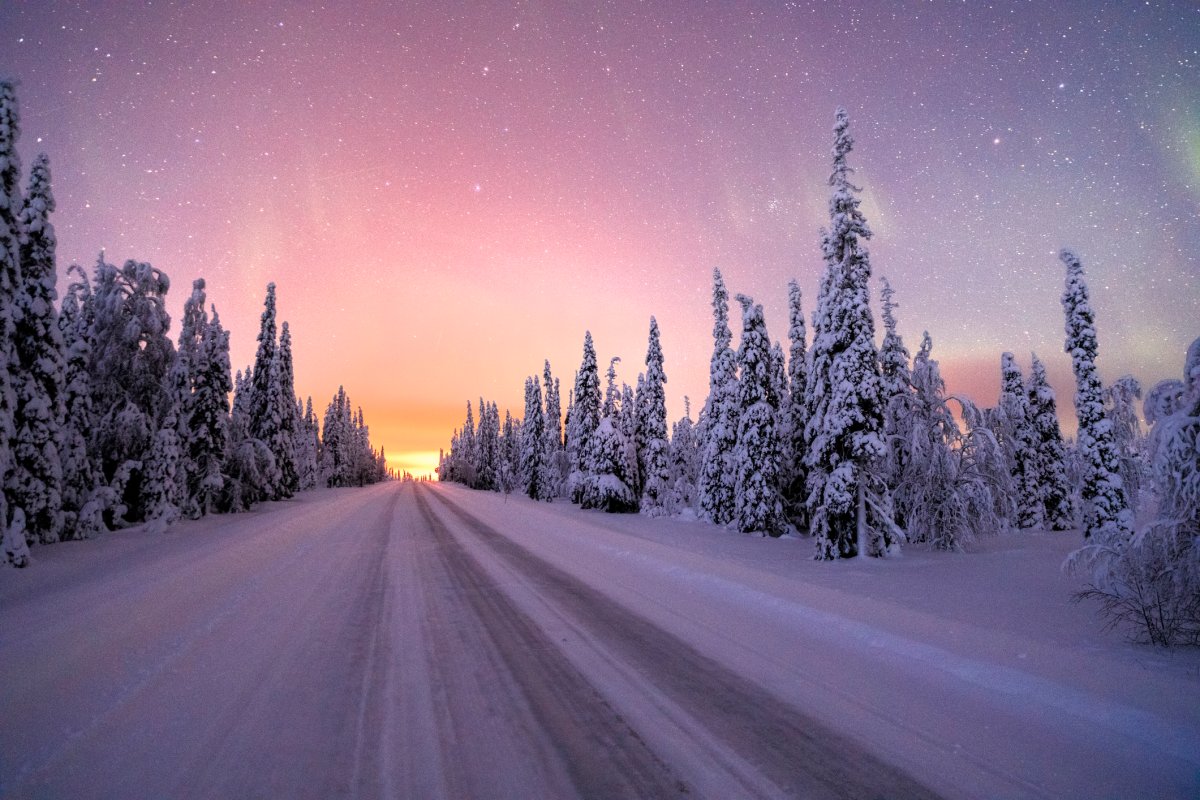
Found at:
(424, 641)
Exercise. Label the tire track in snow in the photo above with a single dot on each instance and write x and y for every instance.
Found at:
(601, 754)
(801, 755)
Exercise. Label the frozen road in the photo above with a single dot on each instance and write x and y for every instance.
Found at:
(377, 643)
(426, 641)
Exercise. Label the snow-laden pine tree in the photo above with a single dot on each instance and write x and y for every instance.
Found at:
(1053, 488)
(79, 466)
(685, 462)
(608, 485)
(285, 402)
(487, 438)
(208, 417)
(1019, 441)
(944, 492)
(633, 412)
(16, 550)
(308, 446)
(160, 483)
(266, 413)
(627, 413)
(897, 386)
(36, 483)
(848, 500)
(652, 427)
(510, 454)
(555, 457)
(468, 458)
(130, 360)
(181, 383)
(720, 422)
(1107, 521)
(757, 508)
(584, 419)
(533, 439)
(249, 463)
(612, 394)
(792, 411)
(336, 440)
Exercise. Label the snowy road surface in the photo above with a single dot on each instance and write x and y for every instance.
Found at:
(425, 641)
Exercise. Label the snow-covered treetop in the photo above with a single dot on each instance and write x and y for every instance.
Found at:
(39, 200)
(722, 336)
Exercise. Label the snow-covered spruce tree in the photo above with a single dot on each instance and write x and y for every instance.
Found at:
(608, 483)
(248, 461)
(656, 492)
(793, 413)
(288, 419)
(181, 384)
(130, 360)
(487, 438)
(848, 500)
(685, 462)
(626, 419)
(266, 395)
(897, 386)
(467, 459)
(757, 508)
(583, 421)
(207, 414)
(633, 412)
(943, 495)
(1153, 584)
(1120, 408)
(555, 457)
(79, 467)
(308, 445)
(510, 454)
(36, 482)
(1019, 441)
(160, 488)
(1107, 521)
(533, 433)
(1054, 490)
(12, 519)
(612, 394)
(717, 467)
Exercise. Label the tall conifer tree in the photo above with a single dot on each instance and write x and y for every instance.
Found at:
(1107, 520)
(533, 435)
(756, 499)
(37, 482)
(717, 468)
(848, 501)
(1053, 486)
(16, 550)
(584, 419)
(794, 415)
(652, 428)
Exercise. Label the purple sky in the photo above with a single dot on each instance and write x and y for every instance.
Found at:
(448, 193)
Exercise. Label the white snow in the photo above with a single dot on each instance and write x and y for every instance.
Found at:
(316, 647)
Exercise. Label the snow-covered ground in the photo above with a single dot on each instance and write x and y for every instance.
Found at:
(431, 641)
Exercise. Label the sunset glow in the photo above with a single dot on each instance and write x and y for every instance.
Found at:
(445, 198)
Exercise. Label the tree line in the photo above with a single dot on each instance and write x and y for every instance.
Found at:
(106, 423)
(859, 446)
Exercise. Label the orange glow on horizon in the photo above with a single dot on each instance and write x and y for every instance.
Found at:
(418, 463)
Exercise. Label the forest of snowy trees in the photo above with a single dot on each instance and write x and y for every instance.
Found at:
(106, 423)
(858, 446)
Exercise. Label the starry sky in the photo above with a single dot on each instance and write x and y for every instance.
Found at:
(448, 193)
